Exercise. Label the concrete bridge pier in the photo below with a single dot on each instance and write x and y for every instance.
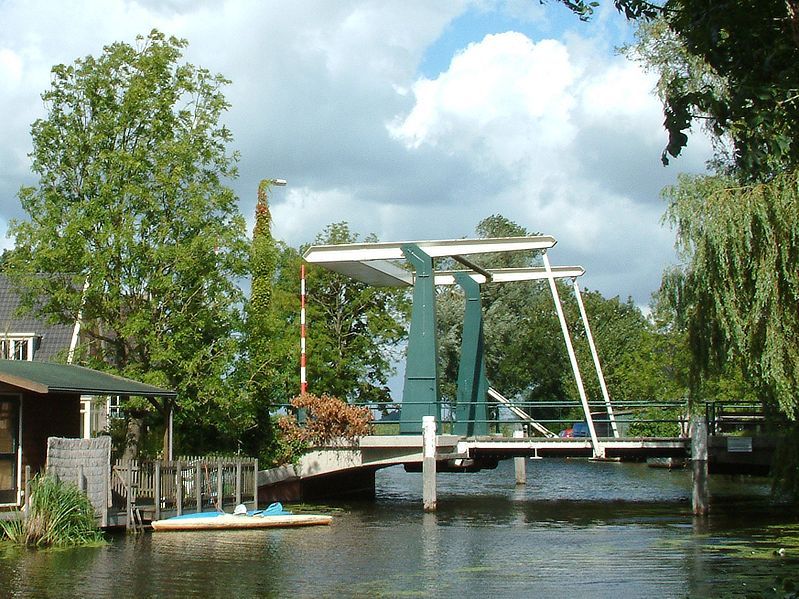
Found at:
(519, 463)
(429, 463)
(699, 456)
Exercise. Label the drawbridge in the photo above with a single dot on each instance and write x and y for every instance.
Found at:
(412, 264)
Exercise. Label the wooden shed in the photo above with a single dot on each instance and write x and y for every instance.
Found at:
(42, 399)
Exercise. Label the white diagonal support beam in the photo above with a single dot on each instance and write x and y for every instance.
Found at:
(599, 451)
(509, 275)
(595, 355)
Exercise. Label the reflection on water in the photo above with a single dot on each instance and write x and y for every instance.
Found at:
(576, 528)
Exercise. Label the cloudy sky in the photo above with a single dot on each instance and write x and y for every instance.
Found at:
(409, 119)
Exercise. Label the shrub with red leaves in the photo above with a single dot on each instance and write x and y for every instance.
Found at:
(328, 420)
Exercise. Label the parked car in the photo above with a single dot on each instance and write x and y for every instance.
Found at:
(580, 429)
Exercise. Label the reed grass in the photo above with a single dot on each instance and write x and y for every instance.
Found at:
(58, 515)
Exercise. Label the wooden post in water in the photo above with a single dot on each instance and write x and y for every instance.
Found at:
(429, 463)
(220, 489)
(700, 494)
(255, 485)
(157, 489)
(238, 482)
(179, 487)
(520, 465)
(129, 493)
(198, 489)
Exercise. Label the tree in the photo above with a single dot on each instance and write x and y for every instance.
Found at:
(730, 63)
(526, 356)
(503, 321)
(354, 330)
(738, 288)
(131, 224)
(267, 369)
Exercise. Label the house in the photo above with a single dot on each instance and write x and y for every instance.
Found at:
(42, 399)
(25, 337)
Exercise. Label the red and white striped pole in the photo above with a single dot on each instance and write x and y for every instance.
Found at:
(303, 379)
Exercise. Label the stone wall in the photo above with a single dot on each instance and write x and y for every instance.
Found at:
(65, 458)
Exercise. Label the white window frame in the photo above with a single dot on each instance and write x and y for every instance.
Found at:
(10, 343)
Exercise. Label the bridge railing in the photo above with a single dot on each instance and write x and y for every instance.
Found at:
(641, 418)
(633, 418)
(734, 417)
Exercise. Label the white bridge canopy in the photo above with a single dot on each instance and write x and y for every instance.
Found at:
(381, 263)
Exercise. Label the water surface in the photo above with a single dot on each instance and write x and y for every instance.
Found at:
(577, 528)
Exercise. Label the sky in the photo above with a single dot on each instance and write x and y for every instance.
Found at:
(408, 119)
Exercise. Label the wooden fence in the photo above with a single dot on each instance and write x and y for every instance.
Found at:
(187, 484)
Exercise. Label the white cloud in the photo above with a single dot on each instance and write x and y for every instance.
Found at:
(571, 141)
(556, 134)
(504, 95)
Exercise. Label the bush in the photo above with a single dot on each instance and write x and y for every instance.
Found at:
(328, 420)
(59, 515)
(655, 422)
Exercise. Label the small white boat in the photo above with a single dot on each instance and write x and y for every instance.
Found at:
(272, 517)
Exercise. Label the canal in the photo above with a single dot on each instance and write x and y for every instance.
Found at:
(577, 528)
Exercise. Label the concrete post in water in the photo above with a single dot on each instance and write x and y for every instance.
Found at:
(519, 463)
(699, 457)
(429, 463)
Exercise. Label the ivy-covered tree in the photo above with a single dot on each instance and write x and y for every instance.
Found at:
(267, 373)
(132, 225)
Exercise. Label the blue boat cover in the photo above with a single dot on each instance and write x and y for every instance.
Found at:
(274, 509)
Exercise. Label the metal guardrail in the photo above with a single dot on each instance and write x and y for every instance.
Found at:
(560, 414)
(734, 417)
(722, 417)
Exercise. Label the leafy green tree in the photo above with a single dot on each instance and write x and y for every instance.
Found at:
(502, 319)
(524, 351)
(732, 64)
(131, 225)
(739, 287)
(354, 330)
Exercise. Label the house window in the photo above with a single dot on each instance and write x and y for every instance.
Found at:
(17, 348)
(115, 407)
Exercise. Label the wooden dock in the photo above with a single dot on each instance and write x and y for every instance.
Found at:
(142, 491)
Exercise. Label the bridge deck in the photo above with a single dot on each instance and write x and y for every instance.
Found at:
(639, 447)
(380, 451)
